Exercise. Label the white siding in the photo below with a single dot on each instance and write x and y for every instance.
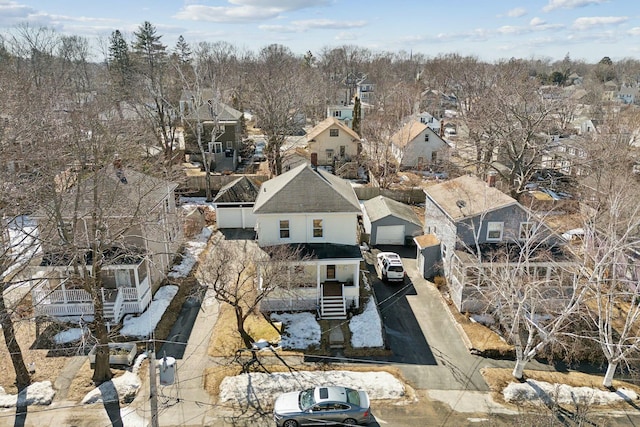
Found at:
(338, 228)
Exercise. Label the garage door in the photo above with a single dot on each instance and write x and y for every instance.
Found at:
(229, 217)
(390, 235)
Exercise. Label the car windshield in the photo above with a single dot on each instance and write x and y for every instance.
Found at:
(306, 399)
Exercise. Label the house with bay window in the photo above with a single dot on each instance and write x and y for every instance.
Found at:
(316, 213)
(481, 229)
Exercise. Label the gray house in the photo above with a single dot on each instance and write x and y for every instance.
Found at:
(474, 221)
(389, 222)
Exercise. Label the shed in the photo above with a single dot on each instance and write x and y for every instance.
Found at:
(389, 222)
(234, 204)
(428, 255)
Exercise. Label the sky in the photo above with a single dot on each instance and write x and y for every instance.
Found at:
(490, 30)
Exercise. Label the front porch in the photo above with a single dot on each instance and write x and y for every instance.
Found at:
(126, 289)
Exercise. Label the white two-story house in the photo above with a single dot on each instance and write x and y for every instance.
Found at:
(316, 213)
(417, 146)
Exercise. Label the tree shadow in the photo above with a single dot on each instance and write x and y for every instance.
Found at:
(111, 405)
(21, 409)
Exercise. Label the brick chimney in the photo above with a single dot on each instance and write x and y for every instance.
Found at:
(314, 160)
(492, 177)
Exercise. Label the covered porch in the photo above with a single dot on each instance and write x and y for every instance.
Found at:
(125, 289)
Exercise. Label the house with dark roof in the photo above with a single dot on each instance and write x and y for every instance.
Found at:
(474, 224)
(234, 204)
(333, 141)
(130, 225)
(417, 146)
(315, 213)
(389, 222)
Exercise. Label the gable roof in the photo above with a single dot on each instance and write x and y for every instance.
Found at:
(326, 124)
(408, 133)
(382, 207)
(467, 196)
(304, 189)
(207, 111)
(242, 189)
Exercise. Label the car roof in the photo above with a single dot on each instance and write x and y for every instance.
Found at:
(391, 256)
(332, 394)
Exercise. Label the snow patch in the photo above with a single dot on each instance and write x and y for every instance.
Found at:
(192, 251)
(366, 328)
(264, 388)
(69, 336)
(123, 389)
(301, 330)
(545, 392)
(39, 393)
(143, 325)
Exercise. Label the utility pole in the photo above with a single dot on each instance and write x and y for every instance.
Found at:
(153, 391)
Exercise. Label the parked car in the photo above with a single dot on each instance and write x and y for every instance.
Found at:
(389, 267)
(258, 154)
(322, 405)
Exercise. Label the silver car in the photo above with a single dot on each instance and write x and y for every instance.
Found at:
(322, 406)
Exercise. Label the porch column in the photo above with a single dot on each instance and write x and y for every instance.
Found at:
(318, 283)
(356, 276)
(64, 292)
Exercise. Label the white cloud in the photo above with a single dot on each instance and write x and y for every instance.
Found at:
(313, 24)
(537, 22)
(635, 31)
(245, 10)
(346, 36)
(570, 4)
(586, 23)
(517, 12)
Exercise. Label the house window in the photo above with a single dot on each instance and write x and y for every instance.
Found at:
(426, 137)
(333, 132)
(434, 156)
(526, 230)
(337, 113)
(430, 230)
(331, 272)
(343, 150)
(229, 144)
(329, 155)
(284, 229)
(494, 230)
(317, 228)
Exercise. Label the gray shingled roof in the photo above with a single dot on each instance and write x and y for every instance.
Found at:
(242, 190)
(304, 189)
(382, 207)
(224, 112)
(467, 196)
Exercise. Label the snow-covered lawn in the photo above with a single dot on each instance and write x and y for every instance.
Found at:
(123, 388)
(69, 336)
(143, 325)
(264, 388)
(192, 251)
(366, 327)
(301, 330)
(545, 392)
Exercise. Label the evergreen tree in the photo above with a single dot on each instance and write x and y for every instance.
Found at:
(357, 116)
(119, 60)
(183, 50)
(149, 50)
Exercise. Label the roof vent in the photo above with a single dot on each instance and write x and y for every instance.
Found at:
(461, 204)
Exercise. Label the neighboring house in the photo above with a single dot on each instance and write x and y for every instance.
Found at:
(333, 141)
(433, 123)
(344, 113)
(389, 222)
(473, 221)
(365, 89)
(628, 94)
(142, 234)
(416, 146)
(565, 154)
(317, 213)
(589, 126)
(223, 144)
(234, 204)
(427, 251)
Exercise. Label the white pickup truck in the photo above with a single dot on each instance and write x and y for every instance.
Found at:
(389, 267)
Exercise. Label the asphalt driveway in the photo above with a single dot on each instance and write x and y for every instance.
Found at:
(404, 336)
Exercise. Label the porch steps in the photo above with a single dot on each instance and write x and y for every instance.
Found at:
(333, 307)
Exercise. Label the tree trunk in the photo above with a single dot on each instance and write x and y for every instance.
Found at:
(246, 338)
(518, 370)
(608, 377)
(22, 375)
(102, 370)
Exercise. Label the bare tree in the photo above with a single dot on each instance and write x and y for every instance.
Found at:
(242, 275)
(277, 99)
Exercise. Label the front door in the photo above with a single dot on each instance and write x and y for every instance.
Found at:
(331, 272)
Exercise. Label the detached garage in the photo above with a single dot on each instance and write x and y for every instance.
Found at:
(389, 222)
(234, 204)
